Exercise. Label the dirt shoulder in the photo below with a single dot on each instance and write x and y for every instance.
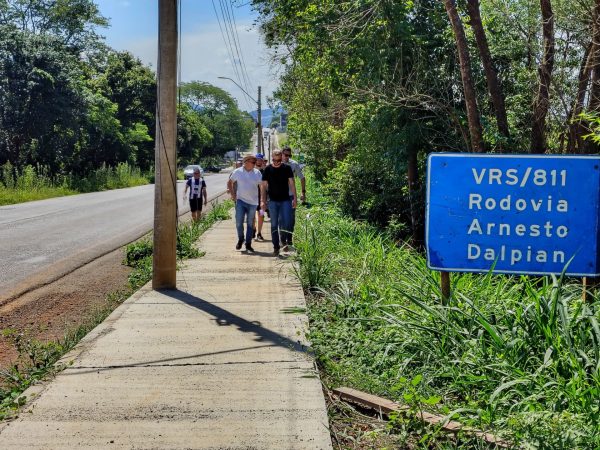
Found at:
(48, 312)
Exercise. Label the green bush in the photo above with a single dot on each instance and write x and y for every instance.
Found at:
(138, 251)
(35, 183)
(520, 355)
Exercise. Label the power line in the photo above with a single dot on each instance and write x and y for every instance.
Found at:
(229, 48)
(227, 22)
(236, 36)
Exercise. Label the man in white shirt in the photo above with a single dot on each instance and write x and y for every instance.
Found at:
(243, 185)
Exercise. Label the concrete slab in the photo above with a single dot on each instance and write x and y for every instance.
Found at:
(220, 363)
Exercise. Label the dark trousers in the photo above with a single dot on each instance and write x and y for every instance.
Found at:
(281, 216)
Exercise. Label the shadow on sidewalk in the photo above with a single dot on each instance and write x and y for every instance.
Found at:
(226, 318)
(223, 318)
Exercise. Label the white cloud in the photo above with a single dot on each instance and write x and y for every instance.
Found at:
(205, 57)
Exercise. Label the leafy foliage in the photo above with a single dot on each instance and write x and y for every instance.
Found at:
(516, 354)
(78, 108)
(219, 125)
(373, 86)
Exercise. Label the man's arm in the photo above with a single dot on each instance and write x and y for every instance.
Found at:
(293, 188)
(231, 188)
(298, 173)
(185, 190)
(204, 194)
(263, 195)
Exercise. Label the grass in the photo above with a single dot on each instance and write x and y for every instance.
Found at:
(37, 359)
(517, 355)
(35, 183)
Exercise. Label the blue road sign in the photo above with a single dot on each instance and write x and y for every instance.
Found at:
(514, 213)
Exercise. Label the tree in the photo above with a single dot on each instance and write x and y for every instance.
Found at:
(542, 100)
(219, 113)
(491, 74)
(71, 22)
(125, 81)
(192, 134)
(465, 72)
(40, 96)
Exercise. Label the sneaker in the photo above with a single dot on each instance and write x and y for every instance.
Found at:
(276, 251)
(239, 244)
(259, 237)
(249, 248)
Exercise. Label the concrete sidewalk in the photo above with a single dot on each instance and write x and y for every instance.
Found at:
(217, 364)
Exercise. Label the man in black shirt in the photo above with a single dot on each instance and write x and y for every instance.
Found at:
(278, 181)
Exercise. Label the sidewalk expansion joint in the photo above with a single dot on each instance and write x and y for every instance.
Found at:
(135, 366)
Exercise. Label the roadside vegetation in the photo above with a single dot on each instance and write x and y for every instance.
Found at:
(516, 355)
(372, 87)
(75, 113)
(33, 183)
(37, 360)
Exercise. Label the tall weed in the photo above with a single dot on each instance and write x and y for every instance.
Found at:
(520, 355)
(36, 183)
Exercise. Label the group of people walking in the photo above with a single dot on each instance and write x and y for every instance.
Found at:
(266, 189)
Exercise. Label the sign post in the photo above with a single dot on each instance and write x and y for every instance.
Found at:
(513, 214)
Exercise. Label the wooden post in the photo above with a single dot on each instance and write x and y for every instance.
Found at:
(165, 188)
(589, 284)
(445, 287)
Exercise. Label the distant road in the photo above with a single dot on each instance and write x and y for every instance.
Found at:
(41, 241)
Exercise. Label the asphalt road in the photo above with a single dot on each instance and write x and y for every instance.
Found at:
(43, 240)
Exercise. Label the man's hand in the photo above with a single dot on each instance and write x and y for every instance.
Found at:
(263, 206)
(303, 197)
(205, 202)
(294, 203)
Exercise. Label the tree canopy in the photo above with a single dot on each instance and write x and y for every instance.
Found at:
(373, 86)
(72, 104)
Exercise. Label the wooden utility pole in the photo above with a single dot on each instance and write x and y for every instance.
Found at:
(269, 147)
(261, 146)
(165, 187)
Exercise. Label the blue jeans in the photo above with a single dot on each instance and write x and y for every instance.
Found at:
(281, 218)
(244, 209)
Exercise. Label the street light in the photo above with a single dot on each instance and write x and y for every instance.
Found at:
(259, 140)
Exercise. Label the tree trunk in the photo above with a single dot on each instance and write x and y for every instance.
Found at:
(595, 60)
(465, 73)
(413, 193)
(491, 76)
(574, 142)
(589, 146)
(542, 101)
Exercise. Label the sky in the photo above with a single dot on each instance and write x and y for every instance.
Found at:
(204, 53)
